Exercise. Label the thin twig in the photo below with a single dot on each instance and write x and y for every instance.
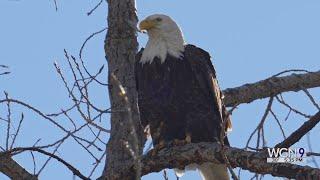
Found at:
(264, 117)
(300, 132)
(47, 161)
(97, 164)
(4, 67)
(80, 55)
(17, 132)
(76, 138)
(310, 149)
(69, 166)
(311, 99)
(93, 9)
(34, 163)
(291, 70)
(8, 121)
(55, 5)
(74, 99)
(313, 154)
(279, 124)
(281, 101)
(165, 175)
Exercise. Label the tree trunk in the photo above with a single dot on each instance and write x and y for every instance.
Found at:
(126, 138)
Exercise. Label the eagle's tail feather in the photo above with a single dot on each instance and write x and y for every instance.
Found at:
(190, 167)
(213, 171)
(208, 171)
(179, 172)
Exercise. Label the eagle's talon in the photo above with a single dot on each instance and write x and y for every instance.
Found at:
(188, 138)
(158, 147)
(178, 142)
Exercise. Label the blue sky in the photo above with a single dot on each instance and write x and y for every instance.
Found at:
(249, 41)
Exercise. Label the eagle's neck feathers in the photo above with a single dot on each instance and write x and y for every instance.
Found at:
(160, 45)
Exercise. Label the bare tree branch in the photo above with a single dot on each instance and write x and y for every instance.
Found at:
(52, 155)
(211, 152)
(8, 120)
(313, 154)
(282, 101)
(260, 125)
(270, 87)
(4, 67)
(55, 5)
(17, 132)
(95, 7)
(299, 133)
(13, 170)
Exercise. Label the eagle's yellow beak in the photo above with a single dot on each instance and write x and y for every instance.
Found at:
(147, 24)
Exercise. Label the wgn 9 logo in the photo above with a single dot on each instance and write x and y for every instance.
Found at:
(286, 155)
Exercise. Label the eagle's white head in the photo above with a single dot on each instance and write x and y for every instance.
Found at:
(165, 37)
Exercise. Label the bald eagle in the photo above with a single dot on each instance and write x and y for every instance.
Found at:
(178, 93)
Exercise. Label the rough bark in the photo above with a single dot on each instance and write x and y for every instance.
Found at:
(211, 152)
(270, 87)
(180, 156)
(126, 137)
(300, 132)
(13, 170)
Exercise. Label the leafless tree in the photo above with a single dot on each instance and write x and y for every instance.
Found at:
(124, 149)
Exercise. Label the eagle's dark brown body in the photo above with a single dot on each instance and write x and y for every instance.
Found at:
(180, 97)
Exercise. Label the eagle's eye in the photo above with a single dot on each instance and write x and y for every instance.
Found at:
(158, 19)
